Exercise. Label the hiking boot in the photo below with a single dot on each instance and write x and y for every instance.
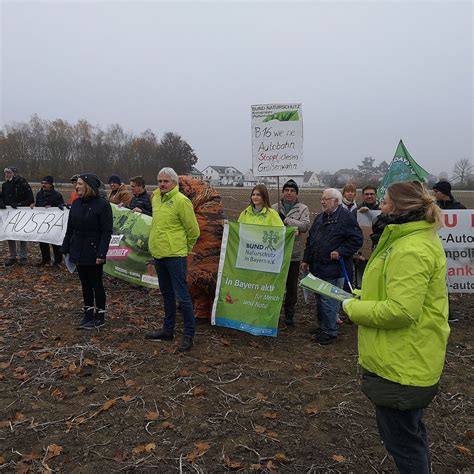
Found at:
(57, 265)
(99, 319)
(23, 261)
(10, 262)
(186, 344)
(324, 339)
(161, 335)
(87, 321)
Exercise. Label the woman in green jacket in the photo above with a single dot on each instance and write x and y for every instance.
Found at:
(260, 211)
(403, 323)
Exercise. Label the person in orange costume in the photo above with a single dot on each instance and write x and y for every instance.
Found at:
(204, 261)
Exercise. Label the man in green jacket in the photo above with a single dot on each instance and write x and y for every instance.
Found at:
(174, 231)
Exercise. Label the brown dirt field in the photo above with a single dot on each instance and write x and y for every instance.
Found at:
(83, 402)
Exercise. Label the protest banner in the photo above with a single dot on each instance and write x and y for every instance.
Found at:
(458, 242)
(402, 168)
(40, 224)
(277, 140)
(128, 257)
(252, 275)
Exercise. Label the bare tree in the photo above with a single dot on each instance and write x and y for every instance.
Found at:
(462, 171)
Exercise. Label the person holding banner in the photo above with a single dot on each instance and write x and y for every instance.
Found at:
(174, 231)
(403, 323)
(260, 211)
(296, 214)
(47, 196)
(334, 233)
(89, 229)
(16, 192)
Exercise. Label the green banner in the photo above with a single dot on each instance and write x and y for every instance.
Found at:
(402, 168)
(128, 257)
(252, 275)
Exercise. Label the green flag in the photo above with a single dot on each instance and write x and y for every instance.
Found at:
(402, 168)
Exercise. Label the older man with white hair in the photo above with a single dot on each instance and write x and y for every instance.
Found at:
(335, 233)
(174, 231)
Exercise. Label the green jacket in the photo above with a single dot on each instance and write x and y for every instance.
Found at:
(267, 216)
(403, 310)
(174, 229)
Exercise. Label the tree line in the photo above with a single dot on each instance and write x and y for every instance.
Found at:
(58, 148)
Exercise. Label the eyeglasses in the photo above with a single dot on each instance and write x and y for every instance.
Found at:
(163, 180)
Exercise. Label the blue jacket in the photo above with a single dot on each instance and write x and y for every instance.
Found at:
(338, 231)
(89, 230)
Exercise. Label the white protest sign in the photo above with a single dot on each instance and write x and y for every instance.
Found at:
(39, 224)
(277, 140)
(458, 242)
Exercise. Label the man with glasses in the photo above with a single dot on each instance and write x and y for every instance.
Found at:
(334, 233)
(174, 231)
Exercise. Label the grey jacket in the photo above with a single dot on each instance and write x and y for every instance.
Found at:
(297, 217)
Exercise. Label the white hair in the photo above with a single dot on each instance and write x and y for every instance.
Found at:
(169, 172)
(335, 193)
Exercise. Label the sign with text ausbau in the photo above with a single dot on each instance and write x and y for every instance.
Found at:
(277, 140)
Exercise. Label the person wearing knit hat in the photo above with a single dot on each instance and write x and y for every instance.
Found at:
(444, 198)
(293, 213)
(16, 192)
(119, 193)
(47, 196)
(86, 243)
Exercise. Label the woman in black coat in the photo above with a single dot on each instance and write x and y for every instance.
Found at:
(87, 238)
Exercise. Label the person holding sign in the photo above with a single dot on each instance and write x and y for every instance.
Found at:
(296, 214)
(89, 229)
(334, 233)
(260, 211)
(403, 323)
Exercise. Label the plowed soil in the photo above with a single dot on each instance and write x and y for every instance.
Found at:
(107, 400)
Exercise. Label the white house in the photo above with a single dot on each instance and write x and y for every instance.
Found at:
(223, 176)
(311, 180)
(195, 173)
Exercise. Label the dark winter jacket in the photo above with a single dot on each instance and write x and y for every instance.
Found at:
(49, 198)
(450, 204)
(17, 192)
(89, 229)
(142, 201)
(338, 232)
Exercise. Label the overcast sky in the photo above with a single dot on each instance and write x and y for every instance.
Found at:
(367, 73)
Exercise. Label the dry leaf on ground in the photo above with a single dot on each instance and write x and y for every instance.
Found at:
(53, 450)
(152, 416)
(232, 464)
(339, 458)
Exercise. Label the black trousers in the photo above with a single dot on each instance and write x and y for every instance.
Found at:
(292, 289)
(46, 255)
(92, 285)
(404, 436)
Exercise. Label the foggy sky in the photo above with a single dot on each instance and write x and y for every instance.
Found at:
(367, 73)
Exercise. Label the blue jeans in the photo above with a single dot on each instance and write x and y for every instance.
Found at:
(327, 309)
(404, 436)
(172, 273)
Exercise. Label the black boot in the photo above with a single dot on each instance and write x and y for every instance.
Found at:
(99, 320)
(186, 344)
(289, 316)
(88, 318)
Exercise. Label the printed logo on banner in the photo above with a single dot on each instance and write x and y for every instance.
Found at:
(115, 240)
(261, 248)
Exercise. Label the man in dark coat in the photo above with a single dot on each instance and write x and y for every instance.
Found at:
(141, 200)
(334, 233)
(444, 198)
(16, 192)
(47, 196)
